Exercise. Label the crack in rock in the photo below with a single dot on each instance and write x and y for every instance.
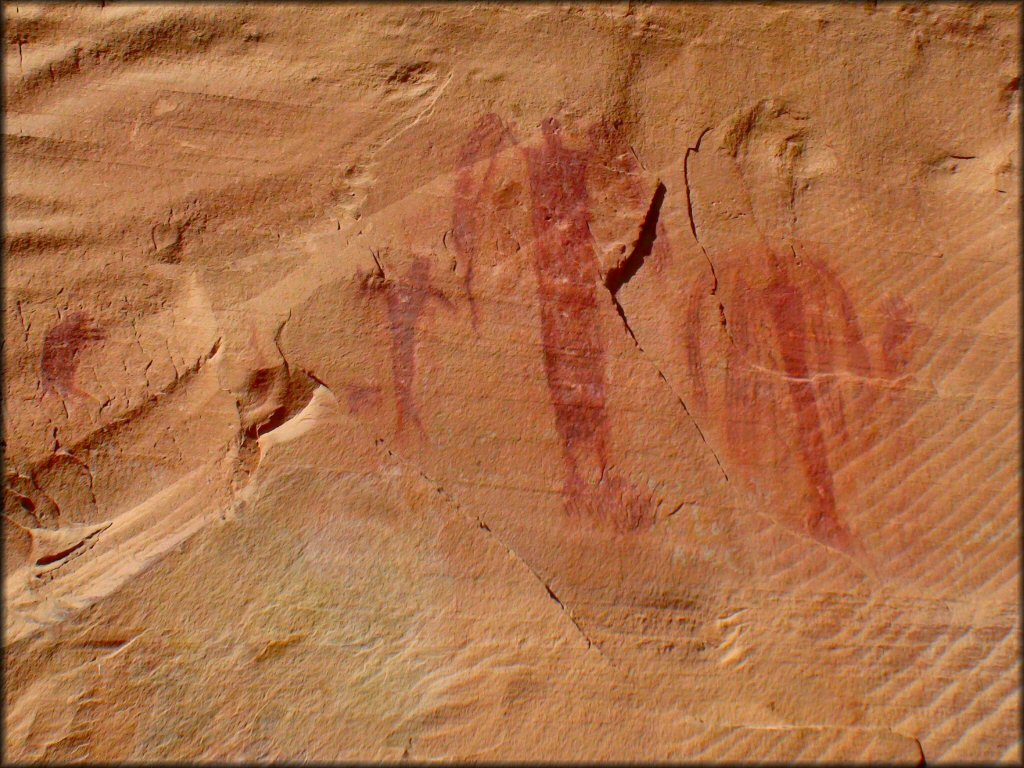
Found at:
(621, 275)
(453, 503)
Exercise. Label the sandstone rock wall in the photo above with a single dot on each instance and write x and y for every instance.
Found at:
(512, 382)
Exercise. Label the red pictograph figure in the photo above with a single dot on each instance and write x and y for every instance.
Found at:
(773, 347)
(790, 378)
(798, 374)
(407, 299)
(476, 218)
(62, 346)
(792, 314)
(568, 277)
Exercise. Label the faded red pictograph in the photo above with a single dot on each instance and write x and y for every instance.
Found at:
(489, 201)
(407, 298)
(568, 277)
(475, 215)
(795, 352)
(62, 347)
(362, 400)
(897, 330)
(782, 383)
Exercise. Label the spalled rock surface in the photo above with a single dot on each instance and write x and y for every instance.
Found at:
(525, 382)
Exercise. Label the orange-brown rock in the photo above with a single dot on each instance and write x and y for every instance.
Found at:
(512, 382)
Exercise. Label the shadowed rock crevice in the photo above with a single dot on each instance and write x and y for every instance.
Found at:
(621, 274)
(627, 270)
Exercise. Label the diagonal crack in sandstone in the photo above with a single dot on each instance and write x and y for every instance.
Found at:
(510, 550)
(623, 273)
(453, 503)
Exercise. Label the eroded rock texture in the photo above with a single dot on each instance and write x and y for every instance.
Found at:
(522, 382)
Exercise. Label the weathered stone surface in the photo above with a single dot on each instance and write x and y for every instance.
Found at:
(516, 382)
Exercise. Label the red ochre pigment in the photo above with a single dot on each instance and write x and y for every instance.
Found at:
(62, 346)
(406, 301)
(574, 350)
(792, 326)
(568, 283)
(473, 203)
(792, 331)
